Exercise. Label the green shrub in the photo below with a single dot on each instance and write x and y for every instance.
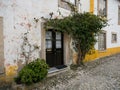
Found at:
(33, 72)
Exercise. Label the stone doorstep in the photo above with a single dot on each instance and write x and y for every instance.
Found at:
(54, 71)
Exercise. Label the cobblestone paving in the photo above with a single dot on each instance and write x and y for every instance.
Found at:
(102, 74)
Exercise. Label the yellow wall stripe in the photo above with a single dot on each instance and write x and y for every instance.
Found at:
(99, 54)
(92, 6)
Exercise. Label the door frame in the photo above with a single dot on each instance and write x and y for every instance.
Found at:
(2, 67)
(67, 60)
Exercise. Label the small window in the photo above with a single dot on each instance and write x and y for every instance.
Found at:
(119, 15)
(102, 41)
(114, 38)
(102, 7)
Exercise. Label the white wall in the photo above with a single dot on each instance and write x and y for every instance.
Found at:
(112, 16)
(113, 22)
(84, 5)
(19, 17)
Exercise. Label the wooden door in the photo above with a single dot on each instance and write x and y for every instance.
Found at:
(54, 48)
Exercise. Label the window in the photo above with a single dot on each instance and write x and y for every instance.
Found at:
(114, 38)
(63, 4)
(102, 41)
(119, 15)
(102, 7)
(48, 39)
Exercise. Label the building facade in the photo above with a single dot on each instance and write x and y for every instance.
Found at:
(21, 19)
(109, 40)
(21, 30)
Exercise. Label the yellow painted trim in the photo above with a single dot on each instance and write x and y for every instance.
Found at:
(11, 70)
(99, 54)
(92, 6)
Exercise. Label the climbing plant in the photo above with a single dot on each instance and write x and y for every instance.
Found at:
(27, 48)
(82, 27)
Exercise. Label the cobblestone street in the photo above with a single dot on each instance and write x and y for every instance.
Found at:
(102, 74)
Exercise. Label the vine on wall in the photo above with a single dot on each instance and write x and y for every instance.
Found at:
(27, 48)
(82, 27)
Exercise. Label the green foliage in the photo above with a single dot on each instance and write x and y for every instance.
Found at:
(82, 27)
(33, 72)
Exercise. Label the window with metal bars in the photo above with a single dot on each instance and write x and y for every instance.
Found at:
(114, 37)
(102, 41)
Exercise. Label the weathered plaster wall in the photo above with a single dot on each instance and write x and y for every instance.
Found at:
(18, 18)
(5, 12)
(84, 5)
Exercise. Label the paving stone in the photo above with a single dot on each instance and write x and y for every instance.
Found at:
(104, 75)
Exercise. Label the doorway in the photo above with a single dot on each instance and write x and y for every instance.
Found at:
(54, 48)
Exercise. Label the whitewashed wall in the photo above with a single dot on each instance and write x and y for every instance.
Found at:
(84, 5)
(18, 16)
(112, 16)
(113, 22)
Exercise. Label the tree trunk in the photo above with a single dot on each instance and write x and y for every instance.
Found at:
(80, 56)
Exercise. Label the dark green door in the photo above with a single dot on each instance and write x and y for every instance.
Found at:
(54, 48)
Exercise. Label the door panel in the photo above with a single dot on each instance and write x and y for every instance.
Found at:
(54, 48)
